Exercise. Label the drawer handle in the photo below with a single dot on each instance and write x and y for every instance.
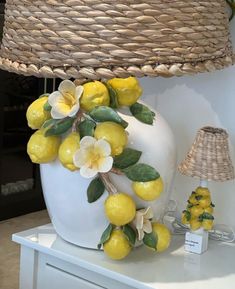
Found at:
(73, 275)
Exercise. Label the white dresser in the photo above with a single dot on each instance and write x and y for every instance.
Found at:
(48, 262)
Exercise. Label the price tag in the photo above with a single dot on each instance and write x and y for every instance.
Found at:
(196, 242)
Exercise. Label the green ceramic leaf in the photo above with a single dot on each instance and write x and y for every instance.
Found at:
(106, 235)
(187, 215)
(95, 190)
(150, 240)
(130, 234)
(142, 113)
(206, 216)
(105, 113)
(127, 158)
(86, 128)
(113, 96)
(141, 173)
(48, 123)
(60, 126)
(47, 106)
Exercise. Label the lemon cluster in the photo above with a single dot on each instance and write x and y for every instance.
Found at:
(199, 211)
(120, 209)
(95, 93)
(118, 247)
(43, 149)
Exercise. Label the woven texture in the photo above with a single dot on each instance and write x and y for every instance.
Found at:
(115, 38)
(209, 157)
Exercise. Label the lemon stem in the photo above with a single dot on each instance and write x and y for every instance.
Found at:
(117, 171)
(78, 119)
(78, 82)
(111, 189)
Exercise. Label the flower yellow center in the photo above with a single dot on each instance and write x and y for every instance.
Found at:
(95, 158)
(66, 103)
(69, 99)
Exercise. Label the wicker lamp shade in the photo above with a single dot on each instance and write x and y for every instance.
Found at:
(208, 158)
(114, 38)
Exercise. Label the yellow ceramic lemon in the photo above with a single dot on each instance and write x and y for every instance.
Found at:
(196, 211)
(205, 202)
(195, 224)
(209, 210)
(184, 218)
(42, 149)
(114, 134)
(36, 115)
(207, 224)
(192, 199)
(163, 236)
(202, 192)
(128, 90)
(67, 150)
(95, 93)
(148, 191)
(117, 247)
(120, 209)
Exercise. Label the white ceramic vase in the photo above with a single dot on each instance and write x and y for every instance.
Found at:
(81, 223)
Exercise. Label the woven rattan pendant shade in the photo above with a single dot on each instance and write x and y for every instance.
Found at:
(209, 158)
(115, 38)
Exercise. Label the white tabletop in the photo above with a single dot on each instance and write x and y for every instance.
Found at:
(144, 269)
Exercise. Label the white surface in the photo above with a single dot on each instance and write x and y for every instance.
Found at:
(173, 269)
(27, 268)
(189, 103)
(82, 223)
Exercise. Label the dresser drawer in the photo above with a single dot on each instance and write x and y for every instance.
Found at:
(60, 279)
(53, 273)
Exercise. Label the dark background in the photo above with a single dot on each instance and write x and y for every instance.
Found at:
(20, 187)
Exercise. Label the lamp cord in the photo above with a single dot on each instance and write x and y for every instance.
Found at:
(220, 232)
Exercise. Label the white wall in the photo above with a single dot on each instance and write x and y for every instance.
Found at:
(189, 103)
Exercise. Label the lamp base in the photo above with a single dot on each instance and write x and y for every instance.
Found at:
(65, 192)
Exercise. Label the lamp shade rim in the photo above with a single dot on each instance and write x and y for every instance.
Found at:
(223, 177)
(105, 39)
(94, 73)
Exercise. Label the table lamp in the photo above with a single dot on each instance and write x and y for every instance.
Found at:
(209, 160)
(100, 42)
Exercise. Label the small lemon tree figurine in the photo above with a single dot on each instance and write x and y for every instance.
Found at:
(81, 127)
(199, 211)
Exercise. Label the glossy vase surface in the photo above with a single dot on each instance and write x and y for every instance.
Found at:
(82, 223)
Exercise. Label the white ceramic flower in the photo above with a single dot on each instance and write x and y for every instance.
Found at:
(142, 222)
(65, 101)
(93, 157)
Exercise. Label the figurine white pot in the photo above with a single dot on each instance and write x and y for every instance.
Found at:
(81, 223)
